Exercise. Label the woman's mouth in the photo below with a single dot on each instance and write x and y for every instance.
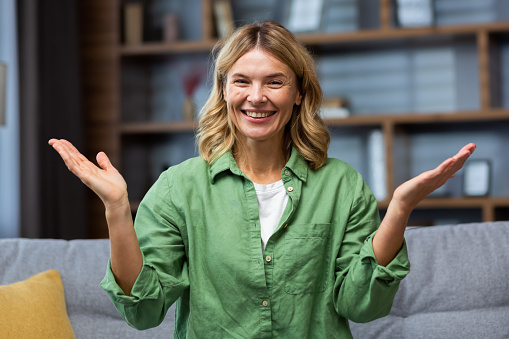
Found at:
(258, 114)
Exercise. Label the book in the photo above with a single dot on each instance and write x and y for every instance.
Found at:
(171, 30)
(133, 23)
(3, 90)
(415, 13)
(223, 15)
(333, 108)
(305, 15)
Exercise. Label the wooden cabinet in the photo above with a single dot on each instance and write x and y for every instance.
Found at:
(424, 91)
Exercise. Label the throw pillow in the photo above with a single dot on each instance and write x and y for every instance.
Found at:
(35, 308)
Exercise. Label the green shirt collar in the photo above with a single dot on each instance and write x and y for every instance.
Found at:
(296, 164)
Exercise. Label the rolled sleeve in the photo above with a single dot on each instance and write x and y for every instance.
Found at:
(149, 301)
(145, 287)
(395, 271)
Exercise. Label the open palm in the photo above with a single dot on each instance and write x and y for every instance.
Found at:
(410, 193)
(104, 180)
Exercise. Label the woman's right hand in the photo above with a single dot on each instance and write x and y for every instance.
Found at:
(105, 180)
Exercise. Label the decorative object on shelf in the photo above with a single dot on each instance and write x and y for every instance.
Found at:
(305, 15)
(376, 164)
(333, 108)
(171, 30)
(223, 15)
(191, 82)
(415, 13)
(3, 92)
(133, 23)
(477, 178)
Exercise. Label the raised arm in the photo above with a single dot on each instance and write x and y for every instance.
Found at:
(110, 186)
(389, 237)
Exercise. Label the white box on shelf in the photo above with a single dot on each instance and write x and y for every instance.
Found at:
(415, 13)
(3, 92)
(376, 164)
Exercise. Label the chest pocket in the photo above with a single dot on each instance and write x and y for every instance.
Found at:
(307, 258)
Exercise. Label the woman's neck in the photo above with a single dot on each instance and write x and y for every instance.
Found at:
(261, 163)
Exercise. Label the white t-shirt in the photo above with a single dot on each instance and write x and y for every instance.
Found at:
(272, 199)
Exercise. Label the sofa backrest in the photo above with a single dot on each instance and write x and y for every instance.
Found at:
(458, 286)
(82, 265)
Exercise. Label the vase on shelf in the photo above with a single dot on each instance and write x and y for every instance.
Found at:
(188, 109)
(191, 80)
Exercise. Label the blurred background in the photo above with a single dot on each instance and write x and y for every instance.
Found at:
(406, 84)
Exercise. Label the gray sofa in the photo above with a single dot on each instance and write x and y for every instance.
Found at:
(458, 286)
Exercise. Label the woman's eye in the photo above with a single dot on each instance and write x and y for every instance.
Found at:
(276, 83)
(239, 81)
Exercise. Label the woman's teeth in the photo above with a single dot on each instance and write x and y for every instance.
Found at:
(258, 114)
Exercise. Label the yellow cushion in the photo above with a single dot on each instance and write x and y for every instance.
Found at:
(35, 308)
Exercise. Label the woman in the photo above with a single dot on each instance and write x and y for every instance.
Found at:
(263, 235)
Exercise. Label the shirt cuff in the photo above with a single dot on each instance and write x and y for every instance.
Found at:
(395, 271)
(145, 286)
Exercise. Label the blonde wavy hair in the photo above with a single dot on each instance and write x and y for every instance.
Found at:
(305, 131)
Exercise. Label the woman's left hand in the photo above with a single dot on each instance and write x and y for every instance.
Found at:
(389, 237)
(410, 193)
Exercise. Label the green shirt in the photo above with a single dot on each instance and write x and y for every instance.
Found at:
(199, 232)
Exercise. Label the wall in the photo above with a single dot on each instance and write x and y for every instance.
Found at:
(9, 134)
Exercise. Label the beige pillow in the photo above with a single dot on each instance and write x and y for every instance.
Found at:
(35, 308)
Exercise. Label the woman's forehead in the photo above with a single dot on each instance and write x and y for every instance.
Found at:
(258, 61)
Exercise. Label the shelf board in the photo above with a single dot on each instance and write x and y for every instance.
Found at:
(421, 118)
(362, 120)
(396, 33)
(466, 202)
(316, 39)
(157, 127)
(456, 203)
(158, 48)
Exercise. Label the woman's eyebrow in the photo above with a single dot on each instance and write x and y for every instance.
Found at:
(273, 75)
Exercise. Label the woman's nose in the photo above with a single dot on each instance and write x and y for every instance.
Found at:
(256, 94)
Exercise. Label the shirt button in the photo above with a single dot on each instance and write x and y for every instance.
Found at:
(287, 173)
(265, 303)
(268, 258)
(290, 189)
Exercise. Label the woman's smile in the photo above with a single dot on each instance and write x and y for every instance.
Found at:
(258, 114)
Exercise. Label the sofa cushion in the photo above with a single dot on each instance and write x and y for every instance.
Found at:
(82, 265)
(35, 308)
(457, 287)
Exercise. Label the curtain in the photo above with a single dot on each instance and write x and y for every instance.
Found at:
(53, 201)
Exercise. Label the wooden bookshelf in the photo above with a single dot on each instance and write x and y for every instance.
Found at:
(105, 56)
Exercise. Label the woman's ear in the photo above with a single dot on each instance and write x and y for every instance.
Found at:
(298, 99)
(223, 85)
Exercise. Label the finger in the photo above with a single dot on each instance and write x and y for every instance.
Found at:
(461, 157)
(74, 160)
(449, 167)
(63, 151)
(465, 152)
(74, 150)
(103, 160)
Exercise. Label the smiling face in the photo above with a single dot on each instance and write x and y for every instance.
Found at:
(261, 92)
